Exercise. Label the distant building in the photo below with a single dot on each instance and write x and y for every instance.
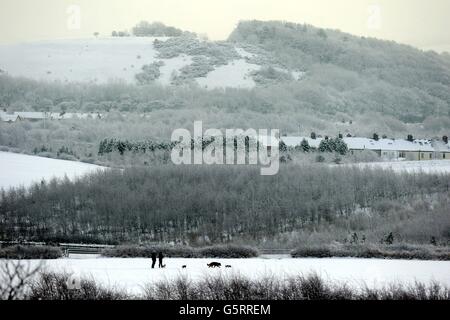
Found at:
(36, 116)
(419, 149)
(9, 118)
(442, 149)
(393, 148)
(292, 142)
(25, 115)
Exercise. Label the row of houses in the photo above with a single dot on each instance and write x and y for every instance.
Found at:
(35, 116)
(418, 149)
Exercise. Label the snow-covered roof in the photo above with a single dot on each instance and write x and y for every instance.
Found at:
(292, 141)
(48, 115)
(361, 143)
(56, 115)
(268, 141)
(358, 143)
(8, 117)
(31, 115)
(69, 115)
(441, 146)
(424, 145)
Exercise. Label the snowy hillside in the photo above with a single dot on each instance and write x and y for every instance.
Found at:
(83, 60)
(234, 74)
(23, 170)
(100, 60)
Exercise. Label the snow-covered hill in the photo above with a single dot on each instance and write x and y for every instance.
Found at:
(100, 60)
(81, 60)
(23, 170)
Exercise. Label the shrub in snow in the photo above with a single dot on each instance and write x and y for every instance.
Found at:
(54, 286)
(229, 251)
(30, 252)
(149, 73)
(270, 75)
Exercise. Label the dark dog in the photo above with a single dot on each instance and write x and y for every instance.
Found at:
(183, 266)
(213, 264)
(227, 266)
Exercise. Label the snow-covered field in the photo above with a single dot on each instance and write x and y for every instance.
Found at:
(429, 166)
(132, 274)
(23, 170)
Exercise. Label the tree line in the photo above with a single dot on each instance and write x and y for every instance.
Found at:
(201, 204)
(110, 145)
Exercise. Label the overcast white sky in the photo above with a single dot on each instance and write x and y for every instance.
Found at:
(421, 23)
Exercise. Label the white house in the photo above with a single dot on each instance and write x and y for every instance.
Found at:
(420, 149)
(292, 142)
(4, 117)
(442, 149)
(31, 115)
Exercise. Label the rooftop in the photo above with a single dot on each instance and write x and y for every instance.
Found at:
(358, 143)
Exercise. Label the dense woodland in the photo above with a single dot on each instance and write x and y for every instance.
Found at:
(200, 205)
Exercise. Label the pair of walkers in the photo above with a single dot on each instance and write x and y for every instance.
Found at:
(160, 258)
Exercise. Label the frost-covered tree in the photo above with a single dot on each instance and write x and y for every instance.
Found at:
(304, 145)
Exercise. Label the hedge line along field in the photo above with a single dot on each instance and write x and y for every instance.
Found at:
(383, 251)
(30, 252)
(53, 286)
(218, 251)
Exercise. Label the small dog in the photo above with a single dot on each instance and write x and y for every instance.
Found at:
(183, 266)
(214, 264)
(228, 266)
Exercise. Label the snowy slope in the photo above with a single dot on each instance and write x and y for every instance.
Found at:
(133, 274)
(22, 170)
(233, 75)
(85, 60)
(99, 60)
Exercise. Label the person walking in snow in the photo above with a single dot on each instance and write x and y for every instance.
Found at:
(153, 259)
(160, 258)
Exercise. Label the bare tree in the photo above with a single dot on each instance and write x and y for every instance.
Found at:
(15, 275)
